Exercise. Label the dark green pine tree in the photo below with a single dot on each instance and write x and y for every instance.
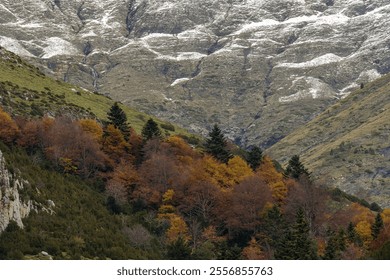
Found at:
(255, 156)
(273, 227)
(296, 243)
(295, 168)
(287, 247)
(341, 240)
(352, 235)
(304, 243)
(377, 226)
(117, 117)
(335, 245)
(151, 130)
(179, 250)
(331, 246)
(216, 145)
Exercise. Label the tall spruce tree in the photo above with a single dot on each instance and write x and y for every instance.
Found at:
(151, 130)
(377, 226)
(331, 246)
(295, 168)
(352, 235)
(304, 243)
(216, 145)
(273, 227)
(179, 250)
(255, 156)
(117, 117)
(296, 243)
(335, 245)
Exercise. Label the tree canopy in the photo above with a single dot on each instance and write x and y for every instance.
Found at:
(151, 130)
(216, 145)
(295, 168)
(254, 158)
(117, 117)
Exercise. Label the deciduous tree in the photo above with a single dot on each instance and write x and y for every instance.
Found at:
(114, 144)
(93, 128)
(273, 178)
(253, 251)
(9, 131)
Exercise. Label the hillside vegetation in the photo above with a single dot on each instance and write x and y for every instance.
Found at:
(154, 197)
(122, 193)
(348, 145)
(25, 90)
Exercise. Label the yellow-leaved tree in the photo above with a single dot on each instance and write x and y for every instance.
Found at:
(8, 128)
(273, 178)
(253, 251)
(177, 226)
(238, 169)
(93, 128)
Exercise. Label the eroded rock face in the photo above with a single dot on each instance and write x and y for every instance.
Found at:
(259, 68)
(12, 207)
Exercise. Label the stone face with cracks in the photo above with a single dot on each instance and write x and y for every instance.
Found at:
(12, 208)
(258, 68)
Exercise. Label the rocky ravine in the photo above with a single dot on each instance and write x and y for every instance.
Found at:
(258, 68)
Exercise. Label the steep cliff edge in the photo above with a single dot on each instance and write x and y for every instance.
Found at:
(12, 206)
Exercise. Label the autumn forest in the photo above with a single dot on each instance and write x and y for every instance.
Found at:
(171, 198)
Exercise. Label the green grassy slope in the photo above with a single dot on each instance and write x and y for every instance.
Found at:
(24, 90)
(80, 225)
(348, 145)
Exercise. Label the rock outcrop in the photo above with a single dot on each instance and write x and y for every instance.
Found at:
(259, 68)
(12, 206)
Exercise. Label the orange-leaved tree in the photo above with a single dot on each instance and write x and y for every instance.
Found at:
(9, 131)
(93, 128)
(115, 144)
(177, 226)
(273, 178)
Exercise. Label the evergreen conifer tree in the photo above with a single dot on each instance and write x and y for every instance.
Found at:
(216, 145)
(273, 227)
(352, 235)
(341, 240)
(295, 168)
(377, 226)
(304, 244)
(117, 117)
(296, 242)
(331, 246)
(255, 156)
(151, 130)
(351, 232)
(336, 245)
(179, 250)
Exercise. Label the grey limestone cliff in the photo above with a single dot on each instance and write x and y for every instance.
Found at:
(12, 206)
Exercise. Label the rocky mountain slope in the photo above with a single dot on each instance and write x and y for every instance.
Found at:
(24, 90)
(348, 146)
(258, 68)
(12, 207)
